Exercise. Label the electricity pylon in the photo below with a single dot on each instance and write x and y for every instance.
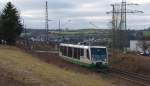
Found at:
(119, 24)
(46, 22)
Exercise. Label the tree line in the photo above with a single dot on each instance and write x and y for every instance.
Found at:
(10, 24)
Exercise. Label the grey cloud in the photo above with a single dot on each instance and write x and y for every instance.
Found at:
(40, 4)
(71, 9)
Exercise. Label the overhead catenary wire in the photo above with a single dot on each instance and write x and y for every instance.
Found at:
(2, 6)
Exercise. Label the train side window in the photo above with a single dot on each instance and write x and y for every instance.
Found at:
(75, 53)
(78, 53)
(65, 51)
(69, 52)
(81, 52)
(78, 56)
(87, 54)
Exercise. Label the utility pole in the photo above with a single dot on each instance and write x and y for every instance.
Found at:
(113, 30)
(59, 26)
(26, 44)
(46, 22)
(25, 31)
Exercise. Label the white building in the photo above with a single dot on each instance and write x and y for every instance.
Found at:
(136, 46)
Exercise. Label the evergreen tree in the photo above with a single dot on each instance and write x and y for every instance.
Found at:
(0, 29)
(11, 26)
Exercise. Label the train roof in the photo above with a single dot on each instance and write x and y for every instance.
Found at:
(81, 46)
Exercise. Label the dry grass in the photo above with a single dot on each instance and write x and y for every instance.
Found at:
(18, 68)
(132, 62)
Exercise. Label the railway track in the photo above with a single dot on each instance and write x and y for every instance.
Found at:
(140, 80)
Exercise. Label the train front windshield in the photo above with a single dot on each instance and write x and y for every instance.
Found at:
(99, 54)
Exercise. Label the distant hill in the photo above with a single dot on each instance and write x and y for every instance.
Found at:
(146, 33)
(34, 30)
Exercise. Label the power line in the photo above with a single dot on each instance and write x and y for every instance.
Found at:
(59, 26)
(91, 23)
(2, 5)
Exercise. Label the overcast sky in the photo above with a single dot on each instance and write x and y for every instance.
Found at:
(76, 14)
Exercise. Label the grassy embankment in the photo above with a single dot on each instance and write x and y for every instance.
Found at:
(132, 62)
(18, 68)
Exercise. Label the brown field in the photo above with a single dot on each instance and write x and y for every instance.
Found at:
(132, 62)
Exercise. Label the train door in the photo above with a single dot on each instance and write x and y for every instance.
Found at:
(87, 54)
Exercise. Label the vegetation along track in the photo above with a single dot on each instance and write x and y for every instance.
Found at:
(140, 80)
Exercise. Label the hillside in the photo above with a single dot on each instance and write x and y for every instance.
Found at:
(18, 68)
